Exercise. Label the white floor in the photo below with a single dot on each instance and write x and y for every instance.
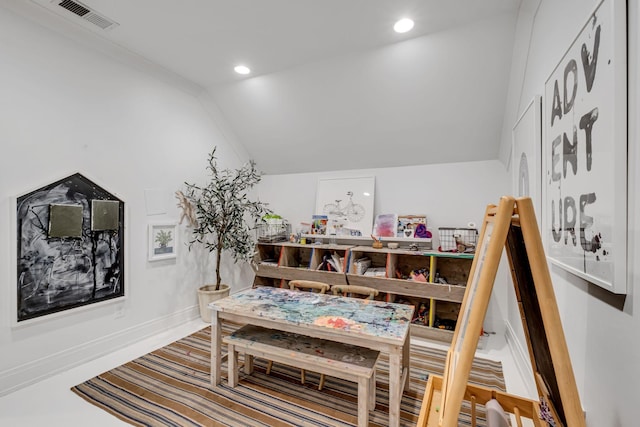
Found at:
(59, 407)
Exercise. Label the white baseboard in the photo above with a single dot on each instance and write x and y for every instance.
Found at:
(521, 358)
(32, 372)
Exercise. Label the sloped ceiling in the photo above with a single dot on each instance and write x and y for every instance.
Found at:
(332, 86)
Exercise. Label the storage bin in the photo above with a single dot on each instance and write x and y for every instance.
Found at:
(458, 239)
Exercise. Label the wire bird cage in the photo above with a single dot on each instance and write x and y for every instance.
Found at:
(273, 232)
(458, 239)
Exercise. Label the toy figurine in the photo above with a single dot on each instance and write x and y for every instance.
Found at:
(422, 316)
(418, 276)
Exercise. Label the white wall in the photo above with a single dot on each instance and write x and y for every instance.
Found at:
(65, 109)
(600, 328)
(452, 194)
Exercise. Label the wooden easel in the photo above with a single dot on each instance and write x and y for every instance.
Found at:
(512, 226)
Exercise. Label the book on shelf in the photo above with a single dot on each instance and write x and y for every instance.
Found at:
(337, 261)
(331, 262)
(361, 265)
(376, 272)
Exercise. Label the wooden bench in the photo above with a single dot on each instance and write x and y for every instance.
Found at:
(345, 361)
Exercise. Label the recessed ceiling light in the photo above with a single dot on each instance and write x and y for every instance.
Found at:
(403, 25)
(242, 69)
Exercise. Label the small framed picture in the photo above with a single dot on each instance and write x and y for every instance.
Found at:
(163, 241)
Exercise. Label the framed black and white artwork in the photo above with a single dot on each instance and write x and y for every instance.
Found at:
(347, 203)
(585, 152)
(69, 248)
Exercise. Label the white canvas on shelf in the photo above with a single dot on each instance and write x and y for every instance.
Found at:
(347, 202)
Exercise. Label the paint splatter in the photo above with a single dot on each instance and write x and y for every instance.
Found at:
(594, 244)
(337, 323)
(367, 317)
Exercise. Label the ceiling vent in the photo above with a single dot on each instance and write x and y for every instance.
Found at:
(84, 12)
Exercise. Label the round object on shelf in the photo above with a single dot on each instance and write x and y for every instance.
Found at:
(393, 245)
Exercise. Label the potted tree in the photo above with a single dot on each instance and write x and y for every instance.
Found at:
(224, 217)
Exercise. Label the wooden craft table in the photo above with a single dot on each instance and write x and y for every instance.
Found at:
(377, 325)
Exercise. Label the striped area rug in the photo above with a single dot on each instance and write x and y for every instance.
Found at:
(170, 387)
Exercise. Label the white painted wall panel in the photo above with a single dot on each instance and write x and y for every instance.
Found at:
(65, 109)
(600, 328)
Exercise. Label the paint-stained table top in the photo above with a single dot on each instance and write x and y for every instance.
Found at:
(373, 319)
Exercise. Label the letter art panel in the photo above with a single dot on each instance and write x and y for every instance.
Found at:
(584, 152)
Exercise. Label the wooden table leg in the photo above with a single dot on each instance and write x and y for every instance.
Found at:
(395, 388)
(248, 364)
(216, 348)
(232, 364)
(406, 361)
(364, 389)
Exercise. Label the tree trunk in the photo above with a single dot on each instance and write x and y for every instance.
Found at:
(218, 256)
